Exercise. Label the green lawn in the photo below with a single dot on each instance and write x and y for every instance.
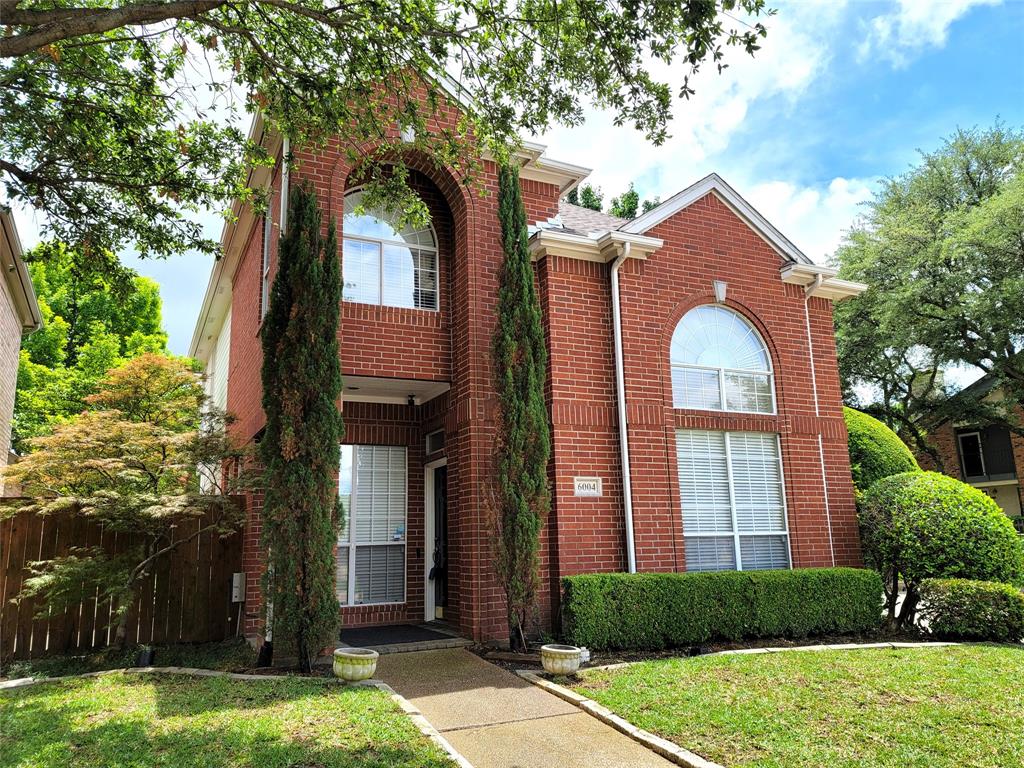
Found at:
(928, 708)
(172, 721)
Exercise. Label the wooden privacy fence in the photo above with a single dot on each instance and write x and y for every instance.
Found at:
(186, 597)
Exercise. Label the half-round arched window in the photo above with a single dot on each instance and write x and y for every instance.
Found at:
(720, 363)
(385, 264)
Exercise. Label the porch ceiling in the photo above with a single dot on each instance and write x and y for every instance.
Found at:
(374, 389)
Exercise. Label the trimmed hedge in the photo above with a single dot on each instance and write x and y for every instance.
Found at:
(961, 609)
(875, 450)
(651, 611)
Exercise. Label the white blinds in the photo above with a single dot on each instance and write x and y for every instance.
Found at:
(733, 501)
(372, 486)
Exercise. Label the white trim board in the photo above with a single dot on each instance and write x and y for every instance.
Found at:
(713, 183)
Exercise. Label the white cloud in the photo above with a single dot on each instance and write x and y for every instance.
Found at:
(912, 26)
(797, 51)
(814, 218)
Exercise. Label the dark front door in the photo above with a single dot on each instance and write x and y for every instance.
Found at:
(439, 572)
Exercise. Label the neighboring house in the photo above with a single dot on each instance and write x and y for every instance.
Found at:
(736, 442)
(19, 316)
(990, 458)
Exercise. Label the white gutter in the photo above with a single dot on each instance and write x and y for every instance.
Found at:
(620, 387)
(285, 149)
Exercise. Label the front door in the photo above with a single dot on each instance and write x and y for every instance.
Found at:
(439, 570)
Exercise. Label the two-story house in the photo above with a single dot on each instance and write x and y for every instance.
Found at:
(693, 392)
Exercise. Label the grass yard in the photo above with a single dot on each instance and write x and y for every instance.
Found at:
(173, 721)
(911, 708)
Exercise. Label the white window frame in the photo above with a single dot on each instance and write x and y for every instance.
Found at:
(268, 228)
(352, 545)
(736, 533)
(721, 371)
(380, 243)
(981, 452)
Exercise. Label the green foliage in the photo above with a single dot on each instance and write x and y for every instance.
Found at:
(651, 611)
(132, 464)
(93, 319)
(941, 249)
(150, 100)
(875, 450)
(523, 443)
(625, 206)
(300, 446)
(586, 196)
(962, 609)
(924, 525)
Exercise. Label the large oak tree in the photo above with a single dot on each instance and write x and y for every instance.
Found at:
(120, 118)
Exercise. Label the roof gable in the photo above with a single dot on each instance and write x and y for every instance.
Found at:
(716, 185)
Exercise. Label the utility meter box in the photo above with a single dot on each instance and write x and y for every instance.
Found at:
(238, 588)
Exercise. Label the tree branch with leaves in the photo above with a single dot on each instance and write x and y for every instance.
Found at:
(122, 120)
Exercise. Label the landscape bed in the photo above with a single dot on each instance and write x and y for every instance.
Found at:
(134, 720)
(870, 708)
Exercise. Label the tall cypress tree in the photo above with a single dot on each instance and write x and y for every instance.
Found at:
(523, 447)
(299, 449)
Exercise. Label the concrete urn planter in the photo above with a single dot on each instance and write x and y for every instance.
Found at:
(355, 664)
(560, 659)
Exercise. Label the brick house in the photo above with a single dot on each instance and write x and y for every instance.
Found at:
(19, 316)
(697, 324)
(990, 458)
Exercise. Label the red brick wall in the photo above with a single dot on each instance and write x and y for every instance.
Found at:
(705, 242)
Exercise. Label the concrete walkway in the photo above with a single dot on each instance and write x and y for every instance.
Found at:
(497, 720)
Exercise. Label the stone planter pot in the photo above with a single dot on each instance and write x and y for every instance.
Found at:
(355, 664)
(560, 659)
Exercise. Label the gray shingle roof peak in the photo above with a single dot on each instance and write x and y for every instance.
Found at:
(585, 220)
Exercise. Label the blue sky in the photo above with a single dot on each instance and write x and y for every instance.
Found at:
(842, 94)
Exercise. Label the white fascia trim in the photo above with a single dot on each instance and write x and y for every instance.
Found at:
(233, 238)
(600, 246)
(716, 184)
(18, 279)
(821, 281)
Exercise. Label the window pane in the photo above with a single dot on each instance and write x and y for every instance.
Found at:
(970, 452)
(360, 268)
(345, 492)
(380, 574)
(717, 337)
(341, 575)
(750, 392)
(696, 388)
(760, 553)
(757, 483)
(703, 482)
(710, 553)
(399, 277)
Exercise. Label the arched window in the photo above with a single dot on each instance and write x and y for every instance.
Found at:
(720, 363)
(382, 264)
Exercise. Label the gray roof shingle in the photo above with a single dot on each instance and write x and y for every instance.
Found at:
(585, 220)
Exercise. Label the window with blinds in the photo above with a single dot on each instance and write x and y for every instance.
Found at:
(733, 500)
(371, 545)
(719, 362)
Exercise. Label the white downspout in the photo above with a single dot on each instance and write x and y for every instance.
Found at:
(808, 292)
(620, 392)
(285, 149)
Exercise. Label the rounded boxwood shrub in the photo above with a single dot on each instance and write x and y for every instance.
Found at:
(961, 609)
(924, 525)
(875, 450)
